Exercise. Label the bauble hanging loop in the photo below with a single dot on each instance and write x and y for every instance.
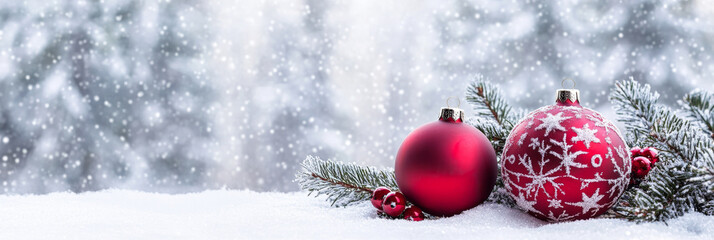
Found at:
(562, 83)
(458, 105)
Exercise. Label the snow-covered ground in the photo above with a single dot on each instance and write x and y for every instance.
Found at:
(121, 214)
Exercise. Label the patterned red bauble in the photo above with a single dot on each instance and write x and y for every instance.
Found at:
(565, 162)
(446, 167)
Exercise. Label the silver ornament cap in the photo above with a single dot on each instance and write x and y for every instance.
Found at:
(567, 94)
(449, 113)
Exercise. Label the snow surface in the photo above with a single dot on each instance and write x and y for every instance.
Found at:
(123, 214)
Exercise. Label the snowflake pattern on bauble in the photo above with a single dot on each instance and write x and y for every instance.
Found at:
(565, 162)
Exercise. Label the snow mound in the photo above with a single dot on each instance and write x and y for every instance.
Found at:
(122, 214)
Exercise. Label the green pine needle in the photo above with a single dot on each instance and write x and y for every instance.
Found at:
(700, 109)
(343, 183)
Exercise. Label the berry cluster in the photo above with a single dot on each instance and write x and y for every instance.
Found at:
(394, 204)
(643, 160)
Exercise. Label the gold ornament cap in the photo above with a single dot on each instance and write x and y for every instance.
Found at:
(450, 114)
(567, 95)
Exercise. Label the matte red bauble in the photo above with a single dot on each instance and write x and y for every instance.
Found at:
(446, 167)
(565, 162)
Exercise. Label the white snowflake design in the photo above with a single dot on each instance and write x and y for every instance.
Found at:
(586, 135)
(554, 203)
(589, 202)
(552, 122)
(556, 160)
(567, 157)
(525, 204)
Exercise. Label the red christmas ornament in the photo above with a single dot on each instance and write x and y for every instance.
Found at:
(378, 196)
(413, 213)
(446, 167)
(394, 204)
(565, 162)
(641, 166)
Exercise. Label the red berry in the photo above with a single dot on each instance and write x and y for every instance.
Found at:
(378, 196)
(650, 153)
(653, 161)
(640, 167)
(413, 213)
(636, 152)
(394, 204)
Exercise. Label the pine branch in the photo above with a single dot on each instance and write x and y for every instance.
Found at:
(656, 198)
(343, 183)
(700, 108)
(494, 116)
(658, 125)
(682, 180)
(489, 103)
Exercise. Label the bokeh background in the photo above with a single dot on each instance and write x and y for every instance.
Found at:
(187, 95)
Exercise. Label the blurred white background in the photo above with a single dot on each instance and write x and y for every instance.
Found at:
(186, 95)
